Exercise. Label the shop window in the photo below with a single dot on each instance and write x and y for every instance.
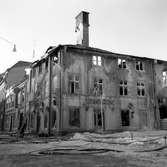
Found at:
(74, 117)
(140, 89)
(74, 86)
(98, 86)
(96, 60)
(125, 117)
(139, 66)
(123, 88)
(122, 63)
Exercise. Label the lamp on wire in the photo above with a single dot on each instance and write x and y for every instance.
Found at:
(14, 45)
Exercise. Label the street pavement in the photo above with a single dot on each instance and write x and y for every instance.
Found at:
(141, 148)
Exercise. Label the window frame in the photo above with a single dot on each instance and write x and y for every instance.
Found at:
(141, 89)
(74, 117)
(72, 80)
(139, 65)
(122, 63)
(164, 78)
(123, 85)
(97, 60)
(98, 89)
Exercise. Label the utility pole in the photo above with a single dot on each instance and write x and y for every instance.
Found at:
(50, 95)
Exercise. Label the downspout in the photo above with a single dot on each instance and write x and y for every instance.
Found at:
(50, 94)
(156, 110)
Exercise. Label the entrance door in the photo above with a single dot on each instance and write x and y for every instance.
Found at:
(98, 119)
(11, 123)
(38, 122)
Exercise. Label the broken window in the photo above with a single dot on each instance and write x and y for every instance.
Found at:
(162, 107)
(125, 117)
(140, 89)
(74, 117)
(96, 60)
(74, 86)
(139, 66)
(122, 63)
(123, 88)
(164, 78)
(98, 86)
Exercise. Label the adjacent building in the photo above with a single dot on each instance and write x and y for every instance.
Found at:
(8, 95)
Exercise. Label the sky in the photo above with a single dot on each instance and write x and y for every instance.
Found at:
(135, 27)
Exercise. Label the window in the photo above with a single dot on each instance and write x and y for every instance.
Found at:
(123, 88)
(125, 117)
(140, 89)
(98, 87)
(122, 63)
(139, 66)
(74, 87)
(96, 60)
(74, 117)
(164, 78)
(40, 68)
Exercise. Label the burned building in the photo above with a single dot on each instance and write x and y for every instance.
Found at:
(89, 89)
(82, 88)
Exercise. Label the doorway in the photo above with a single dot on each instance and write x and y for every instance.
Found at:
(99, 119)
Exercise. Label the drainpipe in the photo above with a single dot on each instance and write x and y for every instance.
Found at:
(156, 110)
(50, 95)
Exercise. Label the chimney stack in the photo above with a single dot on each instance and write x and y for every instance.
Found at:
(82, 28)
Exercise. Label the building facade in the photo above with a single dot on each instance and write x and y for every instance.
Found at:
(81, 88)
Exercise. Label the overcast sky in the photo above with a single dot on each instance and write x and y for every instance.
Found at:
(137, 27)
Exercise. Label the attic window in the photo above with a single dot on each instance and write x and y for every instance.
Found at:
(96, 60)
(122, 63)
(139, 66)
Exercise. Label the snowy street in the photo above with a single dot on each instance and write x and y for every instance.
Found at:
(147, 148)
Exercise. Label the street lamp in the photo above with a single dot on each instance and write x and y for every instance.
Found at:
(14, 45)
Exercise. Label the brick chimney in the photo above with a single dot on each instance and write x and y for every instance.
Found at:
(82, 28)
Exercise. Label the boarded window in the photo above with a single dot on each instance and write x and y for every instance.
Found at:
(140, 89)
(121, 63)
(123, 88)
(125, 117)
(74, 86)
(139, 66)
(74, 117)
